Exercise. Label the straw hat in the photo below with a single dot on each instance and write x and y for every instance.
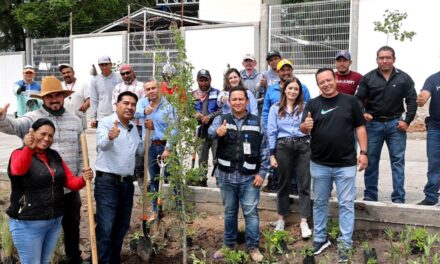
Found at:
(50, 84)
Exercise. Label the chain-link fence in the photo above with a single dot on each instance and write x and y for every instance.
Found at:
(149, 51)
(310, 33)
(47, 54)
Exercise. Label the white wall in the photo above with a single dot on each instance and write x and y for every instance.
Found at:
(230, 10)
(86, 50)
(212, 48)
(420, 57)
(11, 68)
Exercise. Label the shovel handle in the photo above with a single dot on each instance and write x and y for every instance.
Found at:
(85, 156)
(145, 182)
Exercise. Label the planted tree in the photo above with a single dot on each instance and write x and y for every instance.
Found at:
(392, 26)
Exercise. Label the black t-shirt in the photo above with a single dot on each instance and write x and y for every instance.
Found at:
(334, 121)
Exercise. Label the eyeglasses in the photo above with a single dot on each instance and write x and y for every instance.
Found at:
(125, 73)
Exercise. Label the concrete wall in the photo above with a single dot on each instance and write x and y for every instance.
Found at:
(11, 68)
(230, 10)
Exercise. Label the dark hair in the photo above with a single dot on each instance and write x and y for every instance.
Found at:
(126, 93)
(324, 70)
(42, 122)
(386, 48)
(299, 101)
(239, 88)
(226, 85)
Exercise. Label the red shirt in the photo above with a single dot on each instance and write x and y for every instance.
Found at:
(348, 83)
(21, 160)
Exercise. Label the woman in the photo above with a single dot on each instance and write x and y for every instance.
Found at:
(290, 152)
(233, 79)
(38, 176)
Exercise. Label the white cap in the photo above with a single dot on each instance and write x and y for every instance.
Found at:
(104, 59)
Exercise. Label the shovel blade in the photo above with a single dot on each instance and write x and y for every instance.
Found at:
(144, 249)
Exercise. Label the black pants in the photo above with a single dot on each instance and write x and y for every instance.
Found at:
(70, 223)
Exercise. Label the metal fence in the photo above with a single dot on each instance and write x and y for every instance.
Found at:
(149, 51)
(47, 54)
(310, 33)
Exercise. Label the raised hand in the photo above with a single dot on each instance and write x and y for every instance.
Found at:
(308, 122)
(223, 129)
(29, 139)
(114, 131)
(4, 110)
(148, 110)
(263, 81)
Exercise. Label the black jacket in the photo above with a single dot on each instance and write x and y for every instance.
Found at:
(37, 195)
(385, 98)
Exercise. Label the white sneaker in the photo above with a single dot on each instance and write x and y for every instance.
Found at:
(305, 230)
(280, 225)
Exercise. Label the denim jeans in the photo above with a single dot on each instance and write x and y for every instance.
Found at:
(378, 132)
(35, 240)
(293, 159)
(154, 170)
(345, 181)
(70, 224)
(246, 195)
(206, 144)
(114, 201)
(433, 151)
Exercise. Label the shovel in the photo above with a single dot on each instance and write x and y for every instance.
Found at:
(85, 156)
(144, 247)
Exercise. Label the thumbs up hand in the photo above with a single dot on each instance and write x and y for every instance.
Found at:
(307, 125)
(223, 129)
(263, 81)
(4, 110)
(29, 139)
(114, 131)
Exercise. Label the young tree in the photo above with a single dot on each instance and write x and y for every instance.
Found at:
(392, 25)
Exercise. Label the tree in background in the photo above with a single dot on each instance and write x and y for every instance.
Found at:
(11, 33)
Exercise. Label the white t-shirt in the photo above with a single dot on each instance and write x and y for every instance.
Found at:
(73, 102)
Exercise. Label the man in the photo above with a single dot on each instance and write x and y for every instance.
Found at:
(117, 144)
(347, 81)
(273, 95)
(66, 142)
(384, 89)
(101, 91)
(331, 119)
(206, 110)
(23, 89)
(79, 101)
(431, 89)
(243, 162)
(250, 76)
(271, 76)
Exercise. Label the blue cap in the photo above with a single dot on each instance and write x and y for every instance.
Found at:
(343, 53)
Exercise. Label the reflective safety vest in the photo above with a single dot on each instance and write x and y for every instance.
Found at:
(239, 149)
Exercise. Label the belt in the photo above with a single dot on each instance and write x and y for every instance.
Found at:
(119, 178)
(386, 118)
(299, 139)
(159, 142)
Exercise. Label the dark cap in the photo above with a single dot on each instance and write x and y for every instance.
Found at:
(343, 53)
(204, 73)
(273, 53)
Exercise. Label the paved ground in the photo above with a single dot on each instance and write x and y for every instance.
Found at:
(416, 165)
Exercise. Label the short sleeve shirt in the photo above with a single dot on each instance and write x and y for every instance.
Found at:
(432, 85)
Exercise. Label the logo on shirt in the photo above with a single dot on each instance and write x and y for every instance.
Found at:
(323, 112)
(438, 87)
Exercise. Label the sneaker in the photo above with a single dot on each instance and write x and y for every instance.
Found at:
(305, 230)
(279, 225)
(219, 254)
(256, 255)
(343, 258)
(318, 247)
(426, 202)
(269, 189)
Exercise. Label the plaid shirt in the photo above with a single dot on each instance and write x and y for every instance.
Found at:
(236, 176)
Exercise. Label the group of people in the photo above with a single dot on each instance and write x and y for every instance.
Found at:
(259, 125)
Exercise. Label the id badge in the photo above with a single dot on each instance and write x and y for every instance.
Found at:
(247, 148)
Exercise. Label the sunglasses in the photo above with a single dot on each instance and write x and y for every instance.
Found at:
(125, 73)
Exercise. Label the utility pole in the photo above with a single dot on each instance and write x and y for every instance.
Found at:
(181, 13)
(129, 18)
(71, 23)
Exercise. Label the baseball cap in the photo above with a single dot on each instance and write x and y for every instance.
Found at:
(343, 53)
(284, 62)
(104, 59)
(249, 57)
(28, 68)
(64, 65)
(204, 73)
(273, 53)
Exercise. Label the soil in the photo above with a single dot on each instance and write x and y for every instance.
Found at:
(207, 234)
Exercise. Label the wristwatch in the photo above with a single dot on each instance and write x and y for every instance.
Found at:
(363, 152)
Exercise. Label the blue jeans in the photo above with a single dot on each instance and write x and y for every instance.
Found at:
(35, 240)
(154, 170)
(433, 151)
(114, 201)
(246, 195)
(345, 181)
(378, 132)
